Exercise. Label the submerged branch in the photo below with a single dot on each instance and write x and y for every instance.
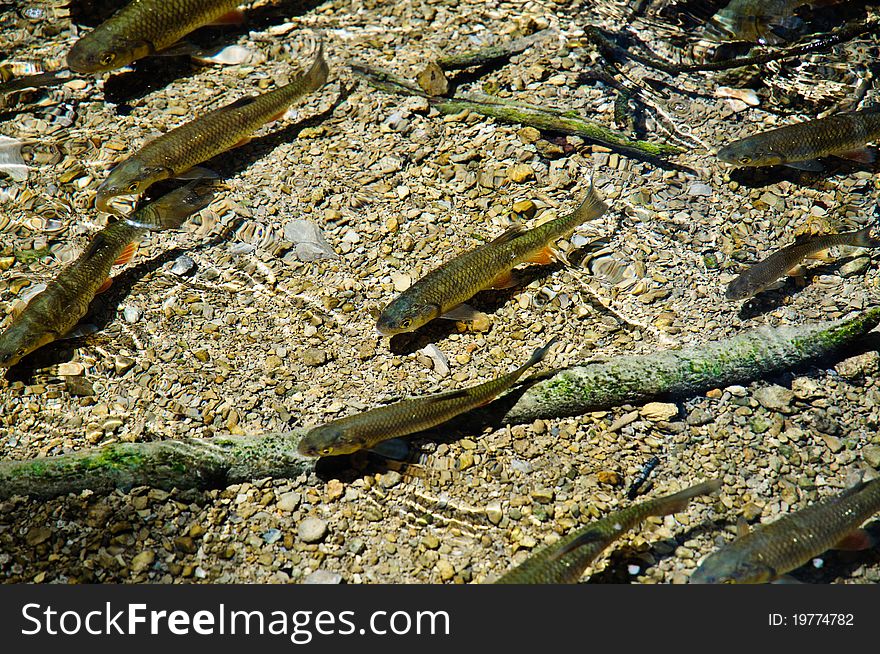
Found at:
(509, 111)
(490, 54)
(220, 461)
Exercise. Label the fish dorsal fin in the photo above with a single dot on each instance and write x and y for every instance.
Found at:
(590, 536)
(509, 234)
(241, 102)
(449, 395)
(803, 238)
(742, 527)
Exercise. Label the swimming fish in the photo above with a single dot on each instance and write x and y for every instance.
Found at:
(564, 561)
(769, 551)
(144, 27)
(486, 266)
(843, 135)
(365, 430)
(758, 277)
(764, 21)
(179, 150)
(54, 312)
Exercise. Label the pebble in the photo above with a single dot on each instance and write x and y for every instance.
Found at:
(131, 314)
(288, 502)
(444, 569)
(699, 190)
(493, 512)
(775, 398)
(659, 411)
(142, 561)
(855, 267)
(520, 173)
(312, 530)
(871, 455)
(314, 357)
(699, 417)
(183, 265)
(321, 576)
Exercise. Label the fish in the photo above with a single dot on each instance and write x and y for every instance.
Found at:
(770, 551)
(142, 28)
(366, 430)
(764, 21)
(487, 266)
(54, 312)
(564, 561)
(798, 145)
(761, 275)
(178, 151)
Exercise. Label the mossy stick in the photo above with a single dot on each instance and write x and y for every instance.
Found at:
(223, 460)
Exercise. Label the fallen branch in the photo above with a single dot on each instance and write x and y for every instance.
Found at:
(490, 54)
(551, 120)
(223, 460)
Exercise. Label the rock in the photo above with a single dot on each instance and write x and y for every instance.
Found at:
(805, 388)
(608, 477)
(699, 417)
(390, 479)
(699, 190)
(445, 570)
(871, 455)
(309, 242)
(314, 357)
(855, 368)
(183, 265)
(528, 135)
(131, 314)
(431, 542)
(493, 512)
(288, 502)
(520, 173)
(401, 281)
(37, 535)
(143, 561)
(122, 364)
(659, 411)
(543, 495)
(335, 489)
(855, 267)
(433, 80)
(321, 576)
(70, 369)
(312, 530)
(834, 444)
(271, 536)
(775, 398)
(526, 208)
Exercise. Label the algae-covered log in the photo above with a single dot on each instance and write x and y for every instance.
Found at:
(510, 111)
(188, 463)
(680, 373)
(219, 461)
(490, 54)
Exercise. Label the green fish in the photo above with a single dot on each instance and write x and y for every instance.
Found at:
(769, 551)
(487, 266)
(142, 28)
(179, 150)
(54, 312)
(843, 135)
(564, 561)
(758, 277)
(366, 430)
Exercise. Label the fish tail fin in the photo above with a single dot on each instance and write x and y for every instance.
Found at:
(679, 501)
(172, 209)
(539, 354)
(319, 71)
(591, 207)
(863, 238)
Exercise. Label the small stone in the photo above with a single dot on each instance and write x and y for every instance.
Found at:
(834, 444)
(37, 535)
(543, 495)
(183, 265)
(431, 542)
(323, 577)
(520, 173)
(288, 502)
(855, 368)
(525, 208)
(314, 357)
(608, 477)
(70, 369)
(699, 417)
(271, 536)
(433, 80)
(775, 398)
(805, 388)
(312, 530)
(445, 569)
(855, 267)
(143, 561)
(122, 364)
(131, 314)
(493, 512)
(699, 190)
(401, 281)
(528, 134)
(871, 455)
(335, 489)
(390, 479)
(659, 411)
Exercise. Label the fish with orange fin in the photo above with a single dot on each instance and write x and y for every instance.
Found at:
(145, 27)
(53, 313)
(177, 152)
(770, 551)
(443, 290)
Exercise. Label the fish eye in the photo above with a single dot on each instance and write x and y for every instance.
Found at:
(406, 323)
(745, 160)
(327, 451)
(107, 58)
(133, 187)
